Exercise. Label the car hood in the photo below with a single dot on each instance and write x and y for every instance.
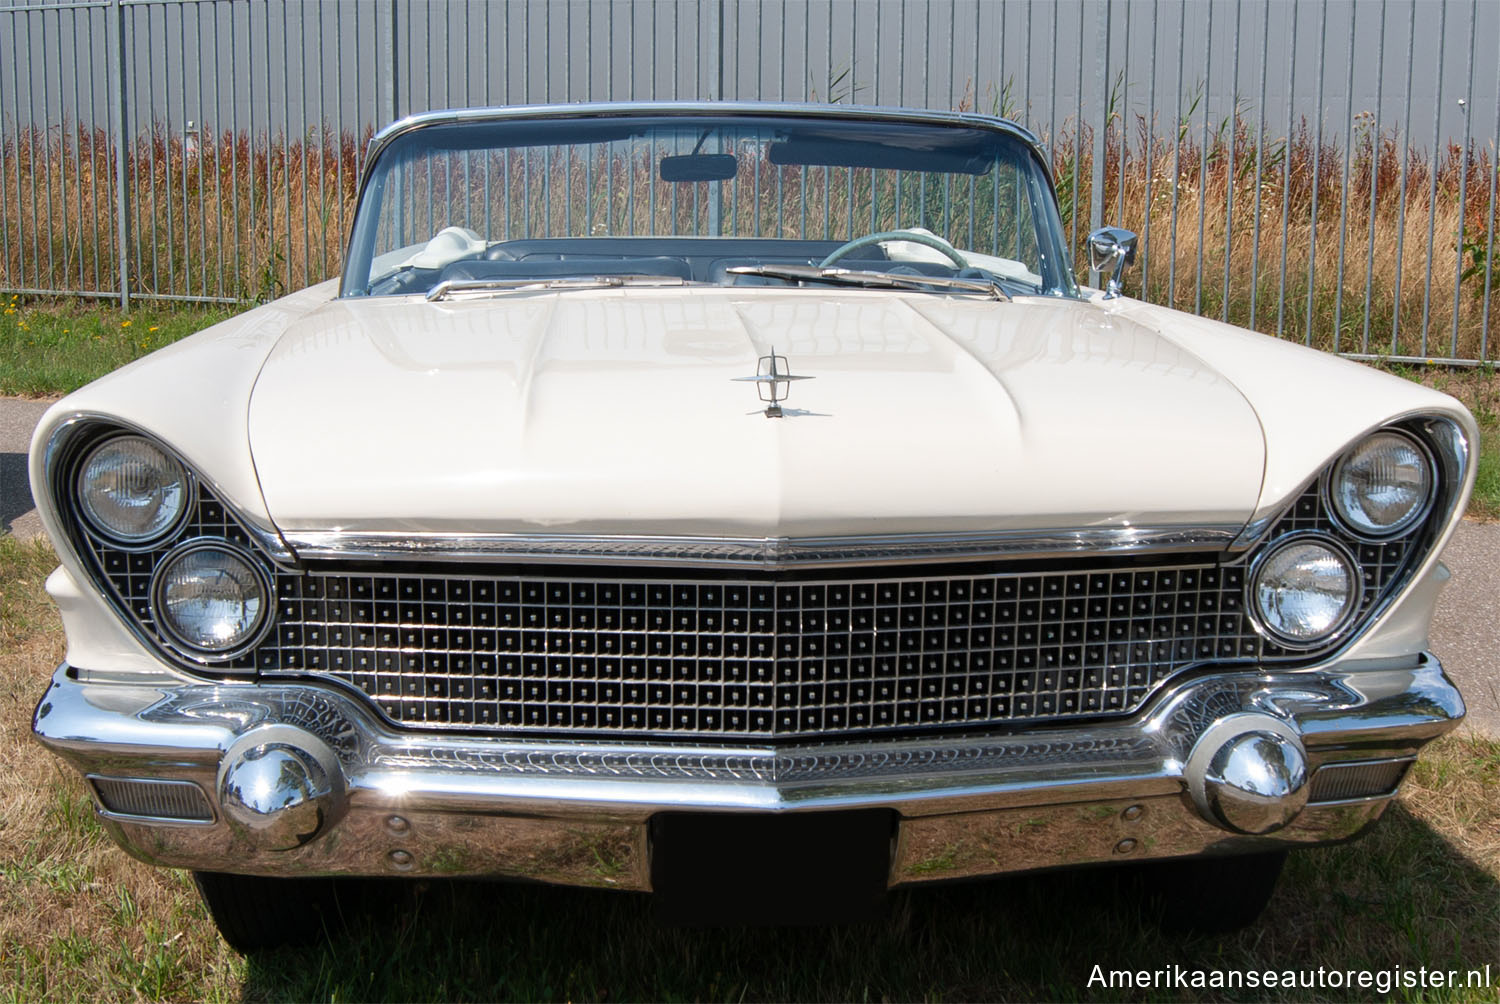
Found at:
(618, 412)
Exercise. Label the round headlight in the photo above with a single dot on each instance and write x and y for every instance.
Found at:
(131, 490)
(210, 598)
(1305, 590)
(1383, 485)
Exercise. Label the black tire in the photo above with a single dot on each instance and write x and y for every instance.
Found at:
(1213, 895)
(255, 913)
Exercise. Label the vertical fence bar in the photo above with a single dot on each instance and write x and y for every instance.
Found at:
(51, 277)
(94, 133)
(1463, 186)
(1229, 177)
(1437, 159)
(1203, 142)
(187, 254)
(1375, 127)
(1411, 38)
(1177, 128)
(1490, 226)
(1317, 177)
(1260, 152)
(1096, 181)
(1149, 160)
(6, 160)
(78, 147)
(1286, 166)
(1338, 293)
(1124, 123)
(36, 247)
(122, 163)
(19, 276)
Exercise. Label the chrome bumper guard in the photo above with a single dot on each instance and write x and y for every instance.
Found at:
(302, 779)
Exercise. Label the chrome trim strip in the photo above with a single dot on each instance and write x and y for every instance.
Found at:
(753, 552)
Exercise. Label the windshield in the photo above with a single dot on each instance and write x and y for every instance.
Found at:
(723, 200)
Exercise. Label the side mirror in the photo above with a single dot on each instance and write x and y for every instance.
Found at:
(1111, 248)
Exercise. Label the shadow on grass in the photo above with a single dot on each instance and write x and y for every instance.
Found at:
(1402, 896)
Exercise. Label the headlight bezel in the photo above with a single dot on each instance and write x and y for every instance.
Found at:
(94, 523)
(1352, 609)
(111, 565)
(1409, 523)
(170, 634)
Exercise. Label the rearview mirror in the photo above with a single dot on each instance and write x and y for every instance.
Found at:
(1111, 247)
(700, 167)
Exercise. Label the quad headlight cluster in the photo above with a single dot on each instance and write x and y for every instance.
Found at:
(209, 598)
(1306, 588)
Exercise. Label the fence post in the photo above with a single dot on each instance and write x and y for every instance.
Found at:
(1096, 179)
(122, 159)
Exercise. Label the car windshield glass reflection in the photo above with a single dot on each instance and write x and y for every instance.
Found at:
(492, 207)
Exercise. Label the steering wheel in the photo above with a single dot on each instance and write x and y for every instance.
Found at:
(926, 240)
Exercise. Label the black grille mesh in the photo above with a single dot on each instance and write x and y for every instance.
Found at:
(760, 656)
(743, 657)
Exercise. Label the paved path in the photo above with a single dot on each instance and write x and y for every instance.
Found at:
(1466, 627)
(17, 419)
(1465, 632)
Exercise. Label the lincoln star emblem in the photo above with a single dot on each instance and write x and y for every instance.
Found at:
(773, 380)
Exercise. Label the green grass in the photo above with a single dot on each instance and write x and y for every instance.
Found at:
(79, 920)
(58, 346)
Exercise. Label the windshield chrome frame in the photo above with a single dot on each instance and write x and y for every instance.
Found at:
(382, 140)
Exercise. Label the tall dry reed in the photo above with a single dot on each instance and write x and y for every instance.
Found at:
(1279, 233)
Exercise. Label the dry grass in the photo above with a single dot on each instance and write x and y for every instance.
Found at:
(80, 920)
(250, 218)
(1242, 194)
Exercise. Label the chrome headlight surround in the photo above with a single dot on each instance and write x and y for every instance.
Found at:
(1412, 518)
(1339, 625)
(125, 574)
(172, 632)
(176, 490)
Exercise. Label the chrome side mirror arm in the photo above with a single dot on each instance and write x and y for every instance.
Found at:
(1111, 248)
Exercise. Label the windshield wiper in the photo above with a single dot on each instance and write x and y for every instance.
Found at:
(458, 287)
(869, 279)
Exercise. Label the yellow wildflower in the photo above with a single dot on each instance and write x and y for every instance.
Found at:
(152, 328)
(124, 324)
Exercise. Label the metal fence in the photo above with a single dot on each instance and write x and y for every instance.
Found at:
(1321, 171)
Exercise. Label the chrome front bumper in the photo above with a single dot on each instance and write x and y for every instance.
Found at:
(301, 779)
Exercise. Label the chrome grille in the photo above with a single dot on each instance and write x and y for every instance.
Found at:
(1338, 781)
(757, 658)
(152, 799)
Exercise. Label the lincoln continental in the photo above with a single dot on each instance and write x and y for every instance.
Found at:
(751, 505)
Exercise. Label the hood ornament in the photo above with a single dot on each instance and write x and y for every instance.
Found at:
(772, 381)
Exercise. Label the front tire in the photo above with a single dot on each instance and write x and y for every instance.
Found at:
(255, 913)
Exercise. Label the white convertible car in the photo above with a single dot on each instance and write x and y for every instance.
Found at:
(741, 503)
